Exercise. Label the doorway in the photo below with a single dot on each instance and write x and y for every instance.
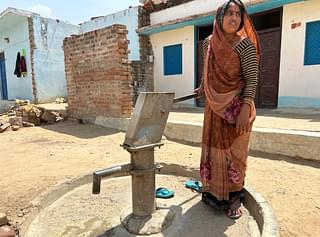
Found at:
(268, 25)
(3, 77)
(202, 33)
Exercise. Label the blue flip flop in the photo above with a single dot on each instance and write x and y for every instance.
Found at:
(194, 185)
(164, 193)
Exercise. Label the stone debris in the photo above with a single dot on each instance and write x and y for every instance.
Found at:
(3, 219)
(22, 102)
(4, 127)
(27, 124)
(31, 114)
(17, 121)
(51, 117)
(24, 114)
(15, 127)
(7, 231)
(60, 100)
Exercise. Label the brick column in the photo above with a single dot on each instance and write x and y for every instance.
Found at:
(32, 48)
(142, 70)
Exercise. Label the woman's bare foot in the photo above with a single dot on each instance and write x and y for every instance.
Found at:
(234, 213)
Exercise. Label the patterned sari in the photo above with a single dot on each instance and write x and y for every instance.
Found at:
(224, 151)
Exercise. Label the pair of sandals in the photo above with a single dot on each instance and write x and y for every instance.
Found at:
(166, 193)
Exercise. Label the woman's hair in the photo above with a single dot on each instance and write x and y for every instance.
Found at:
(225, 8)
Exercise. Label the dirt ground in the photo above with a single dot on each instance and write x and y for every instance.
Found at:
(33, 159)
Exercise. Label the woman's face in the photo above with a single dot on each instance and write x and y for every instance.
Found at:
(232, 19)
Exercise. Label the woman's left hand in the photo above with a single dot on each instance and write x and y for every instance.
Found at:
(242, 124)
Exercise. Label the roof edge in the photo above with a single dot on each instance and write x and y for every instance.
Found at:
(18, 12)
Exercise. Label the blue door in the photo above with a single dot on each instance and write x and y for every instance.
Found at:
(3, 80)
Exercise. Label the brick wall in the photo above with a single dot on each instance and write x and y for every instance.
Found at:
(98, 73)
(152, 7)
(32, 48)
(142, 70)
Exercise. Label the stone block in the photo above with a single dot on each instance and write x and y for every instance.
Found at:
(17, 121)
(48, 117)
(3, 219)
(27, 124)
(15, 127)
(7, 231)
(4, 127)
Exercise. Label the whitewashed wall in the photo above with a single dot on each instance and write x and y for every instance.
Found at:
(49, 57)
(180, 84)
(184, 10)
(128, 17)
(16, 29)
(299, 84)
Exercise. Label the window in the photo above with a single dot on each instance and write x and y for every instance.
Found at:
(312, 47)
(172, 59)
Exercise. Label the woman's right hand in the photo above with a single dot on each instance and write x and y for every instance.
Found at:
(242, 123)
(199, 91)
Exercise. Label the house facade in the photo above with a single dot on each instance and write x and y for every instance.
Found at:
(289, 32)
(39, 40)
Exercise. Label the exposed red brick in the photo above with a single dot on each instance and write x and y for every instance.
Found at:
(98, 73)
(142, 70)
(32, 48)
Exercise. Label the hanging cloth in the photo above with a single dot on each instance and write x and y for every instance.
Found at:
(23, 65)
(17, 70)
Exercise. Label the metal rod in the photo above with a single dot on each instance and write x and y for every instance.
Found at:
(185, 97)
(141, 148)
(99, 174)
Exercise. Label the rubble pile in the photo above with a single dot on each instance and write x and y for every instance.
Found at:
(6, 230)
(24, 114)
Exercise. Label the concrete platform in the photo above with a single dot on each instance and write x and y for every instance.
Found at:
(69, 208)
(79, 213)
(289, 132)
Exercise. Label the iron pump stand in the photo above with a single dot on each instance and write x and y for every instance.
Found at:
(144, 133)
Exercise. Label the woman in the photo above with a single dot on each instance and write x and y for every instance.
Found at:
(229, 83)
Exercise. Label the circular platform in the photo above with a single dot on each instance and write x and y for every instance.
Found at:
(80, 213)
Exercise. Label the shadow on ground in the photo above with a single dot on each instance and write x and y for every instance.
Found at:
(199, 221)
(83, 131)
